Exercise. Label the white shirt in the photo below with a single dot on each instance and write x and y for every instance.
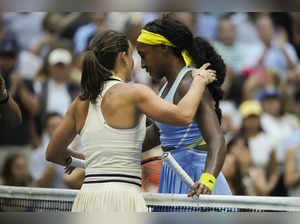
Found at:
(278, 129)
(58, 98)
(261, 147)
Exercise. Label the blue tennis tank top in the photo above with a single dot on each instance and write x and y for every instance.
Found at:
(174, 136)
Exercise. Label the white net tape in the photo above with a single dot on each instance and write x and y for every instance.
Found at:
(249, 203)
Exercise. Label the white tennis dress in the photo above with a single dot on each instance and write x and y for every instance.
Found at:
(113, 164)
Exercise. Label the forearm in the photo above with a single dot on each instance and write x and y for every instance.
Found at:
(215, 156)
(11, 113)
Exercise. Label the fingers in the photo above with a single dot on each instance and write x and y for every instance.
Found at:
(202, 190)
(205, 66)
(193, 190)
(69, 170)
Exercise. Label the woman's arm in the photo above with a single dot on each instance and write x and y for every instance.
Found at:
(57, 150)
(211, 131)
(160, 110)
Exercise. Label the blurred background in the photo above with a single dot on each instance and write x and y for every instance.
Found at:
(41, 57)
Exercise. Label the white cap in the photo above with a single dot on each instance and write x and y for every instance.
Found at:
(60, 55)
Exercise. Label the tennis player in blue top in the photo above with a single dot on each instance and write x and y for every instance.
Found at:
(169, 49)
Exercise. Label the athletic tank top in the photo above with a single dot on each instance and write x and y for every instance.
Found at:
(109, 150)
(174, 136)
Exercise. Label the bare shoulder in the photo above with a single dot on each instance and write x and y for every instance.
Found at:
(138, 91)
(185, 84)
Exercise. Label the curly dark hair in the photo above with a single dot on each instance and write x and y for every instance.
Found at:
(100, 58)
(198, 48)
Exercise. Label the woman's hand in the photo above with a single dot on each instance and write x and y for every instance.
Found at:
(197, 189)
(208, 75)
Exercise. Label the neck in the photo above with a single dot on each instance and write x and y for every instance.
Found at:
(119, 75)
(173, 69)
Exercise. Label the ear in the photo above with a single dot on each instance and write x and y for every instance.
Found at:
(122, 56)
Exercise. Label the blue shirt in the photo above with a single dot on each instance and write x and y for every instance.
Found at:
(175, 136)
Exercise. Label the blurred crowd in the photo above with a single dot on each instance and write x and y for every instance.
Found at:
(41, 57)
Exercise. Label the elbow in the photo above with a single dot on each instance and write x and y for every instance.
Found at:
(186, 119)
(49, 155)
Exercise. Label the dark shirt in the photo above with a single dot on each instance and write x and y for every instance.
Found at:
(19, 135)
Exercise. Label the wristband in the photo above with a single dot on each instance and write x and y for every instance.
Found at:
(5, 100)
(71, 161)
(208, 180)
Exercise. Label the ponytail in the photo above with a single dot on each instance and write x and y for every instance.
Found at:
(99, 61)
(202, 52)
(93, 77)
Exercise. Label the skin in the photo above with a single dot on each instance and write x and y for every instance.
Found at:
(160, 61)
(122, 107)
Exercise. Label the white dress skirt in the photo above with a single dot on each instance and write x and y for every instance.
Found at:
(109, 197)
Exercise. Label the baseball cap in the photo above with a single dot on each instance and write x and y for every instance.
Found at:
(250, 107)
(60, 55)
(268, 93)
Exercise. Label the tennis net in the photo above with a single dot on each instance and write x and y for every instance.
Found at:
(61, 200)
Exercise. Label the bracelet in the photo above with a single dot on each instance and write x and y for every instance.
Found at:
(5, 100)
(71, 161)
(208, 180)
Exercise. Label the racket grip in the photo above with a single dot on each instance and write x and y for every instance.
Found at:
(169, 159)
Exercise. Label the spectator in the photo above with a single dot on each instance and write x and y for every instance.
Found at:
(17, 139)
(15, 171)
(273, 120)
(292, 161)
(57, 92)
(260, 144)
(246, 33)
(262, 147)
(274, 52)
(47, 174)
(226, 45)
(27, 26)
(85, 33)
(10, 112)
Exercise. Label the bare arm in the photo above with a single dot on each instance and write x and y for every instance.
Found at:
(160, 110)
(211, 131)
(9, 111)
(291, 177)
(57, 150)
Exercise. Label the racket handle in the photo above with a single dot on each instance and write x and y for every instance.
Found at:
(169, 159)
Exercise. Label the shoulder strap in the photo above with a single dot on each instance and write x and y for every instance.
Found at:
(180, 76)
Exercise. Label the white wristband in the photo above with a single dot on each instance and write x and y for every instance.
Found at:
(76, 162)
